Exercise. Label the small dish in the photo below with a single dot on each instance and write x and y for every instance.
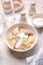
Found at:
(17, 5)
(38, 20)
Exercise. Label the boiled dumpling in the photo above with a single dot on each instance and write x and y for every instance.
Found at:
(16, 31)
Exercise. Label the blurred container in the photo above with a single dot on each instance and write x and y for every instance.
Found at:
(32, 10)
(17, 5)
(23, 18)
(7, 6)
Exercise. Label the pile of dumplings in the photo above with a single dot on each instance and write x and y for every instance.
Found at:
(26, 42)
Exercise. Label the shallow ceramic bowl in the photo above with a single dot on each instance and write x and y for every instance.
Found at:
(19, 8)
(27, 26)
(36, 24)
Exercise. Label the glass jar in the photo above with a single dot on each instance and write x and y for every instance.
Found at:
(7, 6)
(32, 10)
(23, 18)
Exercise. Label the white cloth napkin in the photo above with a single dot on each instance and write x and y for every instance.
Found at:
(38, 58)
